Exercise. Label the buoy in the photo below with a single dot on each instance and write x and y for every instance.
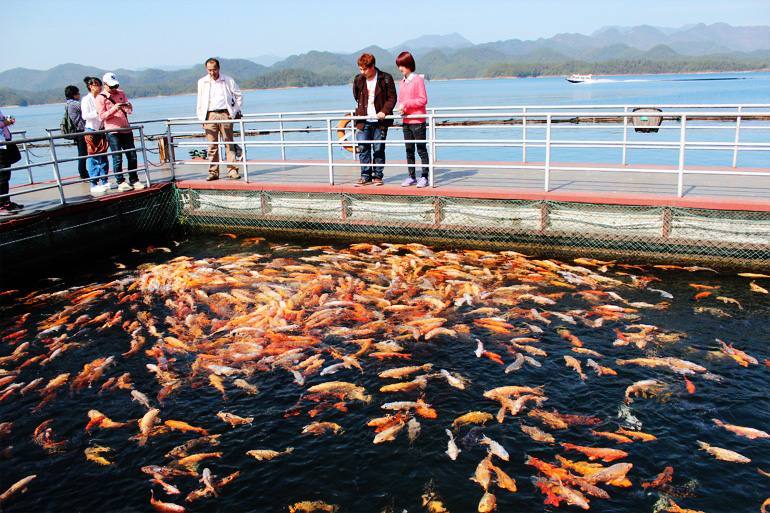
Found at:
(343, 134)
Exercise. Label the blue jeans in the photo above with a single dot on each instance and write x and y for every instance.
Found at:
(367, 151)
(97, 166)
(123, 141)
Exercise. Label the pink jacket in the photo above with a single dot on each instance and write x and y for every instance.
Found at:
(413, 97)
(112, 115)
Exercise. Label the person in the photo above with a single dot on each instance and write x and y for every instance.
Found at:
(114, 108)
(375, 95)
(412, 100)
(72, 95)
(96, 144)
(7, 159)
(219, 98)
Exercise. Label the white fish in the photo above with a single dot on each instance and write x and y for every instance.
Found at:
(516, 365)
(628, 418)
(539, 317)
(298, 377)
(331, 369)
(142, 399)
(452, 450)
(533, 328)
(663, 293)
(413, 429)
(495, 448)
(532, 361)
(454, 381)
(479, 349)
(206, 481)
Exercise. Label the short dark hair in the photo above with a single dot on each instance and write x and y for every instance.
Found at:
(366, 61)
(211, 59)
(406, 60)
(93, 80)
(70, 91)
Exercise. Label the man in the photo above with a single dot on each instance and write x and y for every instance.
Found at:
(113, 108)
(219, 98)
(76, 121)
(375, 94)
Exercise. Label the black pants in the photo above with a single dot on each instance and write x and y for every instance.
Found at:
(416, 132)
(5, 177)
(80, 142)
(123, 141)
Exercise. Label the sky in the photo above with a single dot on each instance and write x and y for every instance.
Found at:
(40, 34)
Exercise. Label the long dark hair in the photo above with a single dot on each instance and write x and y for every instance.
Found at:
(89, 81)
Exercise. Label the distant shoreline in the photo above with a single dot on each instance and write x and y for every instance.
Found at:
(763, 70)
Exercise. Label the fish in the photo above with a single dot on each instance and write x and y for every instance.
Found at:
(452, 450)
(516, 365)
(206, 482)
(312, 507)
(431, 501)
(413, 429)
(95, 454)
(389, 434)
(537, 434)
(574, 364)
(472, 417)
(191, 462)
(179, 425)
(402, 372)
(233, 419)
(673, 507)
(245, 385)
(495, 448)
(321, 428)
(146, 423)
(487, 504)
(19, 486)
(483, 474)
(593, 453)
(723, 454)
(165, 507)
(142, 399)
(746, 432)
(645, 386)
(600, 370)
(455, 381)
(743, 359)
(615, 437)
(661, 480)
(753, 275)
(756, 288)
(636, 435)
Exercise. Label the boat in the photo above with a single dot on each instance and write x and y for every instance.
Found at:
(577, 79)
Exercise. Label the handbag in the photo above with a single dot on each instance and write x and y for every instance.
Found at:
(9, 155)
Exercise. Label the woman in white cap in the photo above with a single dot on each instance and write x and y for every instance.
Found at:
(113, 107)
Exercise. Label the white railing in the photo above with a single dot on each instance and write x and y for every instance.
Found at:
(726, 119)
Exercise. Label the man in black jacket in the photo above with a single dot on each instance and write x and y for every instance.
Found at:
(375, 94)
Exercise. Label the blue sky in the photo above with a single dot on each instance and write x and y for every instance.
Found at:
(143, 33)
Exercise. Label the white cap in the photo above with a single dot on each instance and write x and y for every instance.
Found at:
(110, 79)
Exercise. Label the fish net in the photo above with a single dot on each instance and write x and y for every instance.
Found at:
(655, 233)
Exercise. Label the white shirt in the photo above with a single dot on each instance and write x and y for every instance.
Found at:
(218, 94)
(371, 85)
(89, 113)
(233, 96)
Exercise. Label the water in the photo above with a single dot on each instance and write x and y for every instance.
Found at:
(751, 87)
(349, 470)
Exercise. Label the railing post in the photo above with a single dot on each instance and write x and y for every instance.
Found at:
(26, 157)
(737, 137)
(625, 134)
(144, 156)
(547, 184)
(330, 153)
(682, 142)
(280, 131)
(433, 152)
(243, 153)
(524, 134)
(56, 174)
(170, 152)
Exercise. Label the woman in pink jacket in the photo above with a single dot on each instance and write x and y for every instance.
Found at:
(412, 99)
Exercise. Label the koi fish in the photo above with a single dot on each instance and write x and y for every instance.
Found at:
(723, 454)
(234, 420)
(473, 417)
(593, 453)
(452, 450)
(165, 507)
(746, 432)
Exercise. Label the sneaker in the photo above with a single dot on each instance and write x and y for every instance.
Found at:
(363, 181)
(98, 190)
(5, 211)
(212, 177)
(233, 175)
(377, 181)
(109, 185)
(14, 207)
(125, 186)
(138, 186)
(422, 182)
(408, 182)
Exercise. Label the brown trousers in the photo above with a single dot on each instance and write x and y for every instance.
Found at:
(213, 133)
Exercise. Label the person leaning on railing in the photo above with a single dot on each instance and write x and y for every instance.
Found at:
(96, 144)
(375, 95)
(219, 98)
(114, 108)
(76, 123)
(412, 99)
(9, 155)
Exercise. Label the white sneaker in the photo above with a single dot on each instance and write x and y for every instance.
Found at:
(98, 190)
(109, 185)
(125, 186)
(138, 186)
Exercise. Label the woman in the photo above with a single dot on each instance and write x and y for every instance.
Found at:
(9, 155)
(412, 100)
(72, 94)
(96, 144)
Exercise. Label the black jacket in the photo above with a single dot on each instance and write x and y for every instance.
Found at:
(384, 96)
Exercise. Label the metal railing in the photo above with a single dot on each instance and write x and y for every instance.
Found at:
(63, 183)
(727, 119)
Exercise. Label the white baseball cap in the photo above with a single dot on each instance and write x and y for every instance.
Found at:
(110, 80)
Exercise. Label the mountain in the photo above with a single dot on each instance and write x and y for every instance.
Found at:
(431, 42)
(266, 59)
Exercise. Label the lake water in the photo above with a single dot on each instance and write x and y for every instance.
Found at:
(746, 88)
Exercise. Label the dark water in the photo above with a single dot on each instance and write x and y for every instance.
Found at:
(359, 476)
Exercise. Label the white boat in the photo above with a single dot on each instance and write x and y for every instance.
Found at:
(577, 79)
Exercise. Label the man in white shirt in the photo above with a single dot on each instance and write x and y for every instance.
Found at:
(219, 98)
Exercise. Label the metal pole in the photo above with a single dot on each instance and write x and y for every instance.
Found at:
(144, 156)
(625, 134)
(431, 159)
(280, 129)
(680, 173)
(329, 151)
(56, 175)
(26, 156)
(524, 134)
(170, 152)
(737, 136)
(547, 180)
(433, 151)
(243, 153)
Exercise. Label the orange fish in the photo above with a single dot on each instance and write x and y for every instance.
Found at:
(594, 453)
